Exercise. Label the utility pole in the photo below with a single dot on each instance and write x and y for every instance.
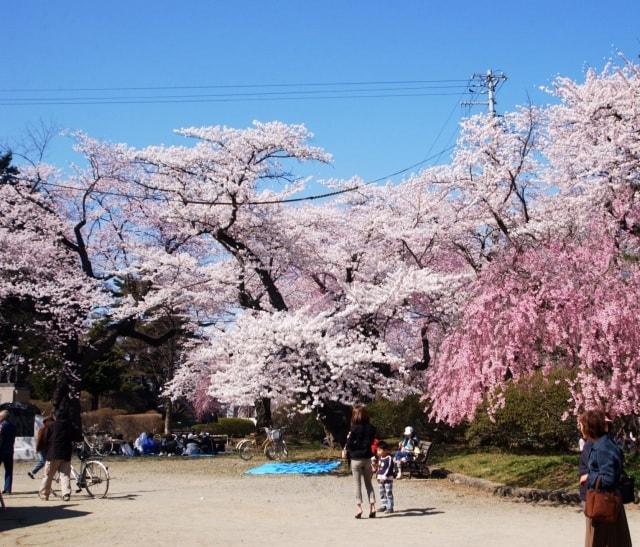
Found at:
(488, 84)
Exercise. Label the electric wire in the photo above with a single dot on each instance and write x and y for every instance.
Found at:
(456, 105)
(232, 86)
(125, 101)
(263, 202)
(239, 94)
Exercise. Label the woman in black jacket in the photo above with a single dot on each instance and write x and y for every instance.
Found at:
(359, 449)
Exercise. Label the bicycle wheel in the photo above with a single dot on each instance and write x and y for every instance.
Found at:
(246, 450)
(104, 446)
(276, 450)
(95, 479)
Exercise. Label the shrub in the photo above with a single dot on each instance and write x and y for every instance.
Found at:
(101, 419)
(531, 417)
(234, 427)
(131, 425)
(312, 429)
(390, 418)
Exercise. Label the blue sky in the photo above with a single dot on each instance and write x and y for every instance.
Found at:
(79, 44)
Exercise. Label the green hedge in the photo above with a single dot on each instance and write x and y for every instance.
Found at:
(531, 417)
(234, 427)
(390, 419)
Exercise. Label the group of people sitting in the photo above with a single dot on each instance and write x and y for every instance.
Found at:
(191, 444)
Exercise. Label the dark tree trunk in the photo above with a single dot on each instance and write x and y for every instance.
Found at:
(423, 364)
(335, 419)
(95, 401)
(66, 401)
(263, 412)
(168, 407)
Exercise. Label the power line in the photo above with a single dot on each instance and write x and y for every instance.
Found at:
(230, 86)
(240, 94)
(88, 101)
(265, 202)
(456, 105)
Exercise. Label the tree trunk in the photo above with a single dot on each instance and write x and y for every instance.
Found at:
(335, 419)
(95, 401)
(263, 412)
(168, 407)
(66, 401)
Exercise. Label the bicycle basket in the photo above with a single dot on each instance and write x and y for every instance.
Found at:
(275, 434)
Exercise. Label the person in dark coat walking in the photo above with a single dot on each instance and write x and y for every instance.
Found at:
(58, 444)
(7, 440)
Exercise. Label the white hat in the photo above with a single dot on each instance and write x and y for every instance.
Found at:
(408, 430)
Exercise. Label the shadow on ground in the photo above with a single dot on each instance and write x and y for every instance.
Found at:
(415, 512)
(21, 517)
(122, 497)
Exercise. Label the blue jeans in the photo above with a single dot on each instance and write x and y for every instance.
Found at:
(7, 461)
(386, 494)
(40, 464)
(402, 456)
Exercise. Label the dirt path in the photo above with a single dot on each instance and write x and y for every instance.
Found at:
(208, 502)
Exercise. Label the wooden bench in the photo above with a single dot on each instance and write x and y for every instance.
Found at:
(418, 465)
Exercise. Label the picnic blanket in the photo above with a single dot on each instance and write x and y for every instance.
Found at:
(303, 468)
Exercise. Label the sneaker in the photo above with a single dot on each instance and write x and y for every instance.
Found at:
(389, 511)
(30, 475)
(66, 497)
(382, 509)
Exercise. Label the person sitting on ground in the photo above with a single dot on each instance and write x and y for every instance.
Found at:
(407, 448)
(192, 447)
(385, 477)
(138, 444)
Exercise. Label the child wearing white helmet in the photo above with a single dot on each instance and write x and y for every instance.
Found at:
(407, 447)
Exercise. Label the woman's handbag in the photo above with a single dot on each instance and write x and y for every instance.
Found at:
(627, 488)
(602, 506)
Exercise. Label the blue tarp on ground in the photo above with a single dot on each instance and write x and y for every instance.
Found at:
(304, 468)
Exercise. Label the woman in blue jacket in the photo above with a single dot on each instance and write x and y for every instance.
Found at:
(605, 465)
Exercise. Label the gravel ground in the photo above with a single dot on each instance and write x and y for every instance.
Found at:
(209, 502)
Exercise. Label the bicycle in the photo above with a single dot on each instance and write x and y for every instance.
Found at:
(93, 476)
(274, 446)
(99, 444)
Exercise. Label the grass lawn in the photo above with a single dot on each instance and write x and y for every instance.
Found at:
(548, 471)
